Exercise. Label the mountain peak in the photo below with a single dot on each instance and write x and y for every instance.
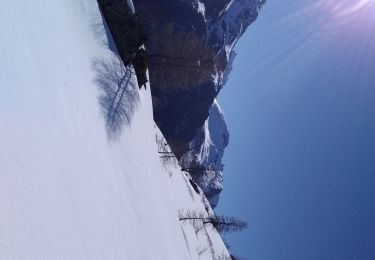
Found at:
(190, 45)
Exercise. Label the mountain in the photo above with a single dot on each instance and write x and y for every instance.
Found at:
(190, 45)
(81, 176)
(204, 159)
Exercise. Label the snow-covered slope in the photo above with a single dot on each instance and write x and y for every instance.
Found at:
(66, 190)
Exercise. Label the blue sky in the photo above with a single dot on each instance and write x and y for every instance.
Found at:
(300, 106)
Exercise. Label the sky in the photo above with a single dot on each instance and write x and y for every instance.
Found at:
(300, 107)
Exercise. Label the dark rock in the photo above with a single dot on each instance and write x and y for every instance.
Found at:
(186, 78)
(189, 45)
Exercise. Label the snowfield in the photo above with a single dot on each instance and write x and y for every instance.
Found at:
(67, 191)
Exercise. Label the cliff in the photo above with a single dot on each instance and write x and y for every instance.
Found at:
(190, 45)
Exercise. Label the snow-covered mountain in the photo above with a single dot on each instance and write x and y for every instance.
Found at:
(228, 22)
(206, 153)
(81, 176)
(187, 73)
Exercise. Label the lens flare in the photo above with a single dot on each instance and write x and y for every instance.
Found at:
(345, 9)
(350, 10)
(310, 28)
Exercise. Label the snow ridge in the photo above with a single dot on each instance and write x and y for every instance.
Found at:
(207, 151)
(232, 22)
(223, 32)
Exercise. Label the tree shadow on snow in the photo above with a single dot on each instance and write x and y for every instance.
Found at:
(118, 93)
(102, 33)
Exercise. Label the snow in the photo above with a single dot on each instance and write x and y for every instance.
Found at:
(201, 8)
(131, 5)
(66, 190)
(232, 22)
(207, 150)
(216, 138)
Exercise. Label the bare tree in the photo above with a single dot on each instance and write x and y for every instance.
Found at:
(222, 224)
(166, 156)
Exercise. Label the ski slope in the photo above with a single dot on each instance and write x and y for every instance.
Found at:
(67, 191)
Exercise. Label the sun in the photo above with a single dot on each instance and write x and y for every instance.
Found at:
(354, 8)
(347, 15)
(345, 9)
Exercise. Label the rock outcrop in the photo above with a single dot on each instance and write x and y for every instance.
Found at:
(189, 47)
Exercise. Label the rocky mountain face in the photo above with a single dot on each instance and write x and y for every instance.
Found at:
(204, 158)
(190, 49)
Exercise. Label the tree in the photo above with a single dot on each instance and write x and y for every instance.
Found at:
(222, 224)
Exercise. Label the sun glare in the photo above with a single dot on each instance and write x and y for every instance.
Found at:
(350, 16)
(328, 25)
(350, 10)
(346, 9)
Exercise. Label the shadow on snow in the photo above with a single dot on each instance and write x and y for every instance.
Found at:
(118, 93)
